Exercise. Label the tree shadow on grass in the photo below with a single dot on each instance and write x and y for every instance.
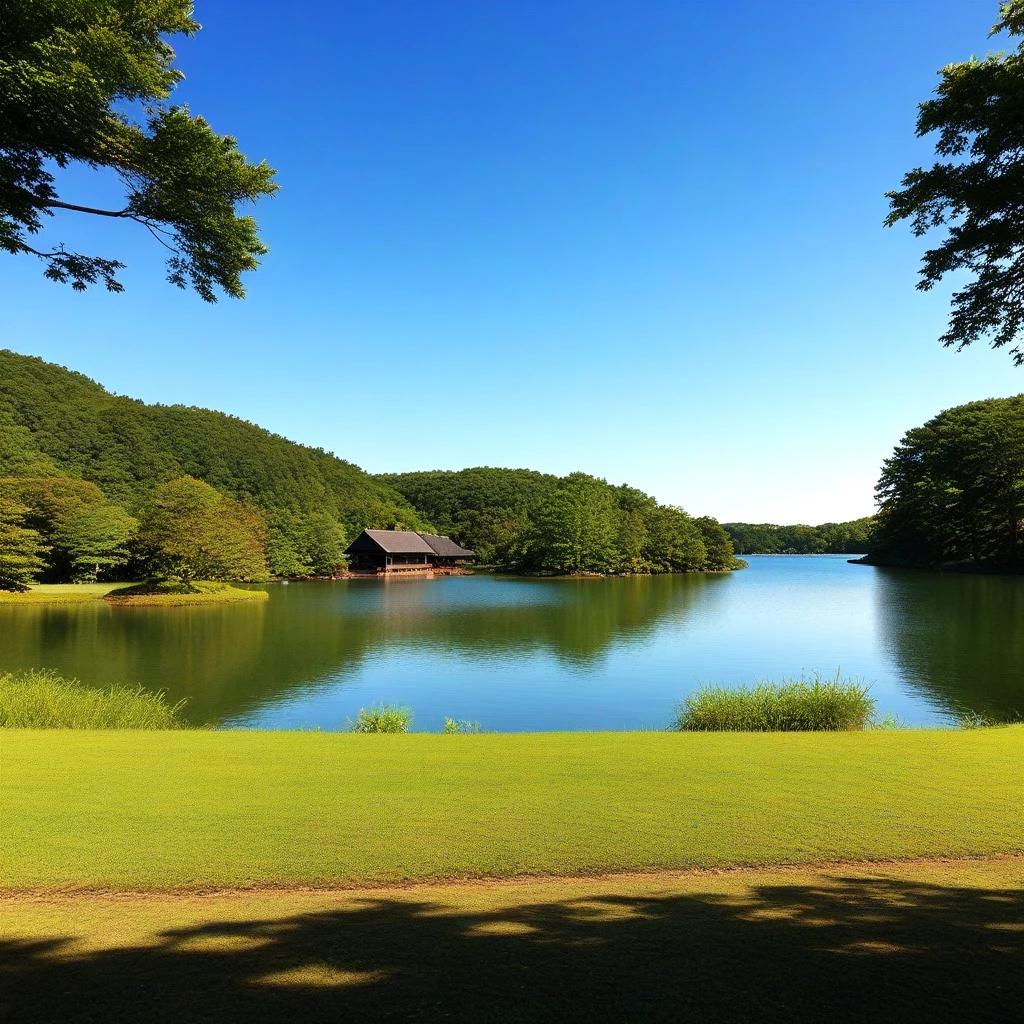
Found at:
(849, 949)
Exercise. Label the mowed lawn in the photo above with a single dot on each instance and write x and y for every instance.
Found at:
(60, 593)
(157, 810)
(911, 942)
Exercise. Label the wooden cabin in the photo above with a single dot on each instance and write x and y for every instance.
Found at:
(405, 551)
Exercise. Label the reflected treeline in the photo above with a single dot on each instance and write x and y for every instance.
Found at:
(958, 639)
(228, 660)
(576, 620)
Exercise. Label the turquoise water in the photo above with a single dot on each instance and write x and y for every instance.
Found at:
(518, 654)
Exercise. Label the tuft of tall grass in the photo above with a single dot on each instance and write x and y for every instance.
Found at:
(382, 718)
(793, 705)
(458, 726)
(984, 720)
(39, 699)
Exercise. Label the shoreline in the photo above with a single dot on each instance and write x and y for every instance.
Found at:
(113, 594)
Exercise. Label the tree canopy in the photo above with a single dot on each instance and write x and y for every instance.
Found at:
(84, 533)
(953, 491)
(188, 531)
(21, 548)
(976, 191)
(88, 82)
(523, 521)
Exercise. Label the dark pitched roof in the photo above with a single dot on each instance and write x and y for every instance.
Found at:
(406, 542)
(402, 542)
(446, 546)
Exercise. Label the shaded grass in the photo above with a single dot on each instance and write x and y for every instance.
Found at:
(153, 810)
(924, 942)
(166, 595)
(794, 705)
(44, 700)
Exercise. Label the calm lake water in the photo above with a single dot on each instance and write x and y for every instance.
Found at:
(517, 654)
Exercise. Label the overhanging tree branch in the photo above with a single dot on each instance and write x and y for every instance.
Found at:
(66, 72)
(57, 204)
(975, 195)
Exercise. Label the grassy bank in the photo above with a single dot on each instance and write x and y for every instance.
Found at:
(144, 595)
(43, 700)
(924, 942)
(127, 810)
(130, 595)
(60, 593)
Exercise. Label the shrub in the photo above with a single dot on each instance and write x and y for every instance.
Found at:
(794, 705)
(382, 718)
(45, 700)
(455, 726)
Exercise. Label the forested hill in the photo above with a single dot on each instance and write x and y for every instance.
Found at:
(93, 484)
(53, 420)
(524, 521)
(850, 538)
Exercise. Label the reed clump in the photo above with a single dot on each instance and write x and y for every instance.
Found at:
(793, 705)
(40, 699)
(382, 718)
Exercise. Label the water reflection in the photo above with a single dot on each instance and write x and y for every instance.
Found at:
(544, 654)
(957, 639)
(228, 660)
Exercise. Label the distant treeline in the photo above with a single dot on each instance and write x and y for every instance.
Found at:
(829, 538)
(519, 520)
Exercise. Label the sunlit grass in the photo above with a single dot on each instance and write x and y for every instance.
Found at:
(165, 595)
(132, 595)
(204, 807)
(60, 593)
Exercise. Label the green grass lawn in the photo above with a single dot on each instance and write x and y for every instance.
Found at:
(140, 595)
(914, 943)
(121, 594)
(60, 593)
(124, 810)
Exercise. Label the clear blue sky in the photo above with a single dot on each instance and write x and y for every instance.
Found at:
(640, 239)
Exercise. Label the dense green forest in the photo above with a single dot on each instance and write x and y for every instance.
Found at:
(81, 469)
(952, 494)
(94, 485)
(523, 521)
(827, 539)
